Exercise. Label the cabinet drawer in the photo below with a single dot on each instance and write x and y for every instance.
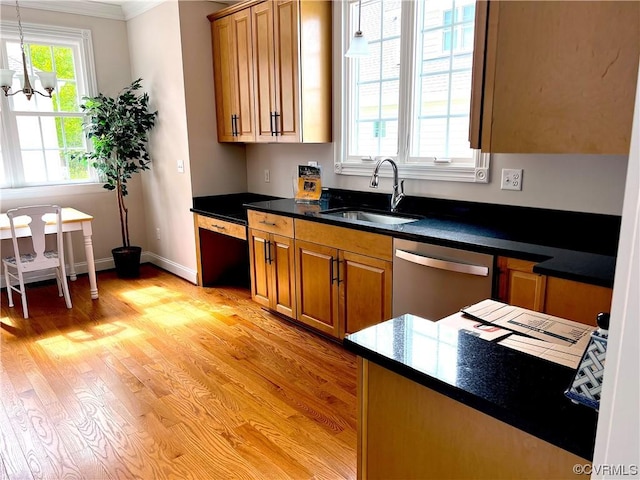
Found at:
(350, 240)
(220, 226)
(268, 222)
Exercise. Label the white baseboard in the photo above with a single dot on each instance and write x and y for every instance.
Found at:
(107, 264)
(171, 266)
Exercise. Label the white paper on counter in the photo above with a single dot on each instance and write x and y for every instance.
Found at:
(567, 356)
(474, 327)
(535, 324)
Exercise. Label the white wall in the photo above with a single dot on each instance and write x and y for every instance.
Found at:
(113, 73)
(170, 48)
(618, 435)
(216, 168)
(585, 183)
(156, 56)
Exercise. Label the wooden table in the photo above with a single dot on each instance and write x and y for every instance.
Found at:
(72, 220)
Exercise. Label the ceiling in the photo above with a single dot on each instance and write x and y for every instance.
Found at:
(113, 9)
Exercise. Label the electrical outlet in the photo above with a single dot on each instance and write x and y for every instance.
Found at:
(267, 175)
(180, 166)
(157, 234)
(511, 179)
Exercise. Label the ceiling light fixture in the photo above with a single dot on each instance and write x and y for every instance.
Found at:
(47, 79)
(359, 46)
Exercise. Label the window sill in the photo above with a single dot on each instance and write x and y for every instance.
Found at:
(52, 191)
(447, 173)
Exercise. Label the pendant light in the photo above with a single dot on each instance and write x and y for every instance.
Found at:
(359, 46)
(47, 79)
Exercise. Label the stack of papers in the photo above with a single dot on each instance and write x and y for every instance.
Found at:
(476, 328)
(553, 338)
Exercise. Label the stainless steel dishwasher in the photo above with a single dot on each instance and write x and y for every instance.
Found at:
(433, 281)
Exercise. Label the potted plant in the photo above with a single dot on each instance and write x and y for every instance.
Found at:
(118, 129)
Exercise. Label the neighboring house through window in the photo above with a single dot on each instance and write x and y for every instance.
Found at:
(410, 98)
(41, 135)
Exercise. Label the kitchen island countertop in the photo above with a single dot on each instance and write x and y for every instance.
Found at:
(522, 390)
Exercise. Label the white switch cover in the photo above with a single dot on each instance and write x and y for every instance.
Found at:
(180, 166)
(511, 179)
(267, 175)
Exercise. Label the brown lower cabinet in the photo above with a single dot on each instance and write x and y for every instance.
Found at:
(344, 284)
(272, 262)
(341, 292)
(520, 286)
(336, 280)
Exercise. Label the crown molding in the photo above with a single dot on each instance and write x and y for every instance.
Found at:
(119, 10)
(133, 8)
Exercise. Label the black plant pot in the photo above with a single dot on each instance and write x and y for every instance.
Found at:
(127, 261)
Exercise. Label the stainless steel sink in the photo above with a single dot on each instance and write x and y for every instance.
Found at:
(373, 217)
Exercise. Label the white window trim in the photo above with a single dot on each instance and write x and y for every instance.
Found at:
(476, 173)
(85, 71)
(51, 191)
(60, 35)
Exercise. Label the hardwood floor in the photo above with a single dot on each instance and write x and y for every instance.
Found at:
(161, 379)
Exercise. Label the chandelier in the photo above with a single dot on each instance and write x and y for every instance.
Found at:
(47, 79)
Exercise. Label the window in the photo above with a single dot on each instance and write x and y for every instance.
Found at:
(41, 135)
(410, 98)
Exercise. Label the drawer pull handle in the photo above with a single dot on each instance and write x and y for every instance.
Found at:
(219, 227)
(264, 222)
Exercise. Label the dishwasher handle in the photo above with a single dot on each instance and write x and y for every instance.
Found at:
(479, 270)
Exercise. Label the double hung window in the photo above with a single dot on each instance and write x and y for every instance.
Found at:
(410, 98)
(40, 136)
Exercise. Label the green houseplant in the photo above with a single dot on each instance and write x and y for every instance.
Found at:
(118, 129)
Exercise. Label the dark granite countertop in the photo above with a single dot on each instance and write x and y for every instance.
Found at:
(230, 207)
(571, 245)
(524, 391)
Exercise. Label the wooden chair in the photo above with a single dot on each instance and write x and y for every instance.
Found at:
(34, 219)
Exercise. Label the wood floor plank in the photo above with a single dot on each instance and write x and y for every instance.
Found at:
(89, 465)
(161, 379)
(63, 464)
(14, 464)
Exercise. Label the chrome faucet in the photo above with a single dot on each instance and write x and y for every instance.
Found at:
(398, 186)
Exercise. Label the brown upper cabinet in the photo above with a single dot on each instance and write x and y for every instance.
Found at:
(555, 76)
(272, 71)
(233, 77)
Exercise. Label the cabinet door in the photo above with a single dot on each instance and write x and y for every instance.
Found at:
(317, 286)
(224, 61)
(576, 301)
(260, 271)
(526, 290)
(281, 259)
(365, 291)
(560, 77)
(287, 81)
(519, 286)
(244, 94)
(233, 77)
(580, 302)
(264, 71)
